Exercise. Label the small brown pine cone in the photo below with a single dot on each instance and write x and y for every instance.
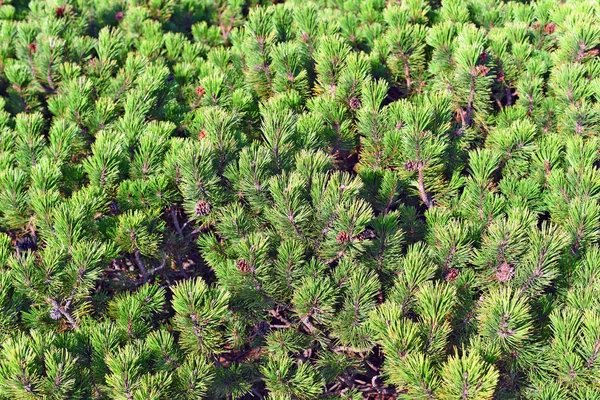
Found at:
(243, 266)
(452, 274)
(483, 57)
(32, 47)
(342, 237)
(200, 91)
(202, 208)
(354, 103)
(119, 16)
(410, 166)
(201, 134)
(505, 272)
(481, 70)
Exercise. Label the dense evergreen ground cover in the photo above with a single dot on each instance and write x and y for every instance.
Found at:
(317, 199)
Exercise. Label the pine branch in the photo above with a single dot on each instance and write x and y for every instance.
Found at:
(140, 264)
(425, 197)
(64, 312)
(173, 212)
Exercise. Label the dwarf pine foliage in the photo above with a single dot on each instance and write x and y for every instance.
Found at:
(319, 199)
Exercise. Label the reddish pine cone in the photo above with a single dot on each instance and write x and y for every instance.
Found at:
(200, 91)
(452, 274)
(119, 16)
(549, 28)
(481, 70)
(202, 208)
(59, 12)
(505, 272)
(342, 237)
(243, 266)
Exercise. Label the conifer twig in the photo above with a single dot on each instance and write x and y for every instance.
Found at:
(425, 197)
(178, 227)
(140, 264)
(64, 312)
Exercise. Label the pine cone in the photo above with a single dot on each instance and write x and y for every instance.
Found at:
(119, 16)
(60, 12)
(202, 208)
(342, 237)
(549, 28)
(505, 272)
(200, 91)
(243, 266)
(32, 47)
(452, 274)
(201, 134)
(481, 70)
(354, 103)
(410, 166)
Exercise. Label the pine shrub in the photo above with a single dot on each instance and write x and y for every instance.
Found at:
(236, 199)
